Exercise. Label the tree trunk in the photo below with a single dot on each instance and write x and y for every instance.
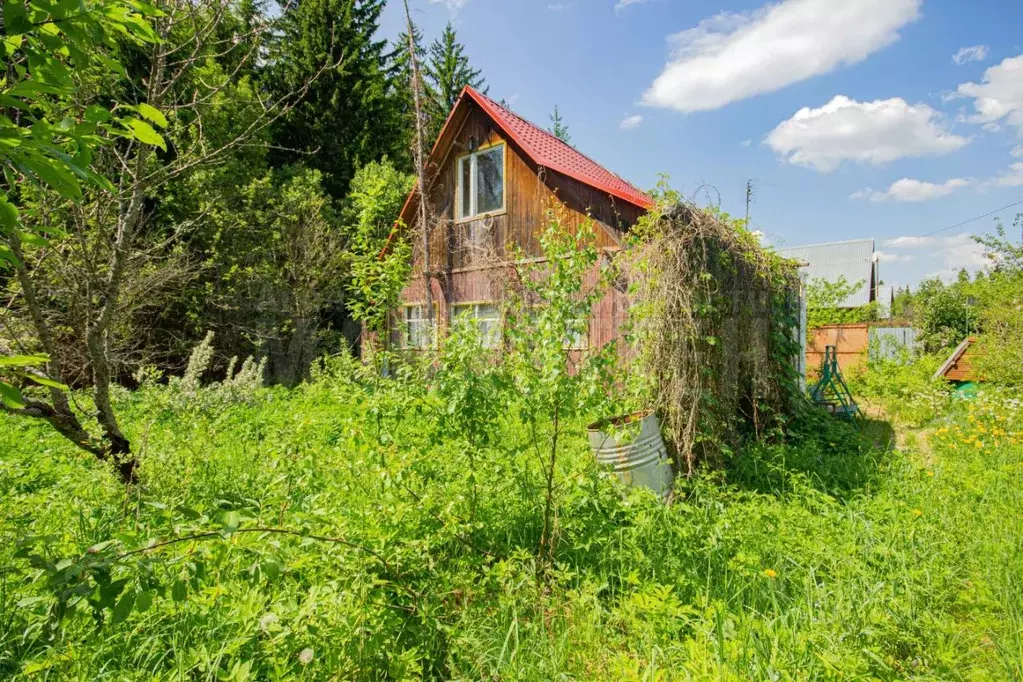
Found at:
(424, 211)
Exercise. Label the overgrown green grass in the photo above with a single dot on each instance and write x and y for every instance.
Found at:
(413, 554)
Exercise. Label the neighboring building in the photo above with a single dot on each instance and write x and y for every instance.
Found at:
(854, 260)
(959, 365)
(885, 301)
(495, 174)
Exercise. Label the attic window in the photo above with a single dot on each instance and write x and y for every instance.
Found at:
(481, 183)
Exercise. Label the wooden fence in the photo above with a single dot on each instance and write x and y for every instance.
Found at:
(853, 342)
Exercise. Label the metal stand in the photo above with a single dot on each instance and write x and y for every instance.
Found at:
(831, 392)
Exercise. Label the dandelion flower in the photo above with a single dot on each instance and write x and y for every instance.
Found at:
(305, 657)
(917, 512)
(771, 573)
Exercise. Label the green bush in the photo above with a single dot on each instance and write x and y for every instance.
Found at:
(903, 385)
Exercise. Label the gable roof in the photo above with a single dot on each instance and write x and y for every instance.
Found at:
(542, 148)
(853, 260)
(550, 152)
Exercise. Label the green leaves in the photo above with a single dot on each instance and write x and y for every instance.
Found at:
(22, 360)
(11, 396)
(231, 521)
(143, 132)
(151, 113)
(42, 42)
(14, 366)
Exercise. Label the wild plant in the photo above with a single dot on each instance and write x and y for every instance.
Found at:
(189, 391)
(548, 313)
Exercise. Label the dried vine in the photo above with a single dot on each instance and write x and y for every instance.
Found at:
(714, 321)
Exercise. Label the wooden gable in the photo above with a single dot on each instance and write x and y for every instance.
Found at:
(529, 190)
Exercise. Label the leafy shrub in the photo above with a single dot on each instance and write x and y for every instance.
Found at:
(945, 319)
(903, 385)
(824, 301)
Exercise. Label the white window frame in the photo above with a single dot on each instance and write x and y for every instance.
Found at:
(474, 212)
(471, 310)
(406, 326)
(582, 341)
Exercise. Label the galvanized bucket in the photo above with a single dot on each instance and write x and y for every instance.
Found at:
(632, 446)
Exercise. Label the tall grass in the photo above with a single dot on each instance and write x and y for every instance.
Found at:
(829, 556)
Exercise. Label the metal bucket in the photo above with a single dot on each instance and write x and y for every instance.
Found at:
(632, 446)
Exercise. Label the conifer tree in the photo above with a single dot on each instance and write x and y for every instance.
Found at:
(559, 128)
(447, 72)
(350, 115)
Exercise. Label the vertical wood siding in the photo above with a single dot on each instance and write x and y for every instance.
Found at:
(478, 271)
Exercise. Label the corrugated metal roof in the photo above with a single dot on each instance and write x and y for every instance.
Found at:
(852, 259)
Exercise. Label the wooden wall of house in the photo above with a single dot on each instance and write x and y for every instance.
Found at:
(471, 269)
(492, 284)
(529, 192)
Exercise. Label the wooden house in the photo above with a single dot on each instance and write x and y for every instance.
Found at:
(494, 174)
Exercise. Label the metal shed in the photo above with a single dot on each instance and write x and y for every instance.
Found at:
(853, 260)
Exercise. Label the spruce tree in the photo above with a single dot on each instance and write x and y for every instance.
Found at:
(447, 72)
(559, 128)
(350, 114)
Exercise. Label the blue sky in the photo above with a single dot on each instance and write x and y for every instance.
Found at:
(853, 118)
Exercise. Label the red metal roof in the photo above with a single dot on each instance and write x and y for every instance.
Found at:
(548, 151)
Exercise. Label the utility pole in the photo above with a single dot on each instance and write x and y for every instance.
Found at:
(749, 199)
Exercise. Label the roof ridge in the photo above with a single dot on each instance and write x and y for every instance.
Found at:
(844, 241)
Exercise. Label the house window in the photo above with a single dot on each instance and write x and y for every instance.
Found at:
(417, 333)
(578, 335)
(487, 318)
(481, 183)
(577, 331)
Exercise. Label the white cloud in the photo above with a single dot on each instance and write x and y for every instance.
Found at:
(909, 189)
(557, 7)
(630, 122)
(956, 253)
(948, 254)
(1009, 178)
(730, 56)
(999, 96)
(875, 132)
(622, 4)
(909, 242)
(888, 257)
(1017, 151)
(745, 143)
(975, 53)
(453, 5)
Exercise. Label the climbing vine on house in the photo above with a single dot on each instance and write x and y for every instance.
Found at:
(714, 328)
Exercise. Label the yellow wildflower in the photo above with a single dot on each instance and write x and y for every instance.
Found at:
(771, 573)
(917, 513)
